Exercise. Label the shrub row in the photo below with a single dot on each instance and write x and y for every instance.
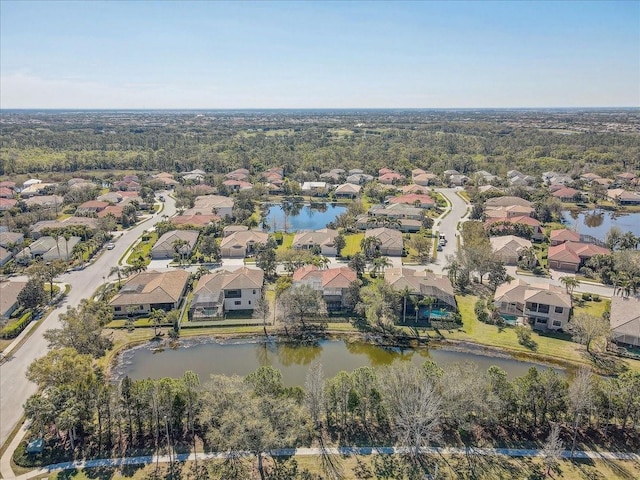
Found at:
(14, 328)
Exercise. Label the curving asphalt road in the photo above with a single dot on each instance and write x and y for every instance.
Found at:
(14, 387)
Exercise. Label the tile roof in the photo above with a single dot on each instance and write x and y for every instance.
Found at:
(152, 287)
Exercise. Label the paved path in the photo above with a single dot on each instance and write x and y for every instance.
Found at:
(490, 452)
(14, 386)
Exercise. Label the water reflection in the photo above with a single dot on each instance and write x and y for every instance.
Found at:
(594, 220)
(207, 356)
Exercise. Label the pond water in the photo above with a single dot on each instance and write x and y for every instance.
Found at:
(207, 356)
(598, 222)
(302, 216)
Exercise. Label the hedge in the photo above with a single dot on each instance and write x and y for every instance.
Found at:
(13, 329)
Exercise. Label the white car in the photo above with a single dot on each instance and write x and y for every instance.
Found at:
(111, 246)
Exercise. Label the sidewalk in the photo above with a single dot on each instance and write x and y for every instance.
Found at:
(488, 452)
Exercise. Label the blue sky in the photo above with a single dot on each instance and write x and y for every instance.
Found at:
(290, 54)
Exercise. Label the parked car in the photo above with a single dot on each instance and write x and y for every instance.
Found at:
(111, 246)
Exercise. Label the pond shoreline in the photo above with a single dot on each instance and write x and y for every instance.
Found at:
(119, 359)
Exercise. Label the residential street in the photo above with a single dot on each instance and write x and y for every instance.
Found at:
(449, 227)
(14, 387)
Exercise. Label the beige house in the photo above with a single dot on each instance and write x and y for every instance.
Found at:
(226, 290)
(9, 292)
(323, 239)
(507, 202)
(420, 285)
(165, 246)
(544, 306)
(208, 204)
(333, 283)
(390, 240)
(347, 190)
(150, 290)
(242, 243)
(625, 320)
(509, 248)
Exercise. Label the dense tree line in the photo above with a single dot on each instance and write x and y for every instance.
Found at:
(79, 410)
(311, 143)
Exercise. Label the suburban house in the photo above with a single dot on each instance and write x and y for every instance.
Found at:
(507, 202)
(195, 220)
(314, 188)
(6, 192)
(242, 243)
(626, 178)
(390, 240)
(333, 283)
(421, 285)
(396, 210)
(424, 179)
(347, 190)
(625, 320)
(359, 178)
(458, 180)
(563, 235)
(48, 249)
(322, 240)
(509, 212)
(150, 290)
(91, 207)
(488, 188)
(5, 255)
(567, 194)
(237, 185)
(330, 177)
(509, 248)
(44, 201)
(229, 229)
(414, 188)
(211, 204)
(226, 290)
(623, 197)
(537, 234)
(9, 292)
(570, 256)
(165, 247)
(37, 228)
(415, 199)
(544, 306)
(11, 239)
(7, 204)
(390, 178)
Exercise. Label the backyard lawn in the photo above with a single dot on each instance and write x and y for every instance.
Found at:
(352, 245)
(143, 249)
(548, 345)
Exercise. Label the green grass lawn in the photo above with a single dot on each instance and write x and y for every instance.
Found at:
(596, 309)
(549, 345)
(143, 249)
(352, 245)
(287, 242)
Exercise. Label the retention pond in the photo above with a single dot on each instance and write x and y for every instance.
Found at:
(207, 356)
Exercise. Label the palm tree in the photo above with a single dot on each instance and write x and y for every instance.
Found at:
(570, 283)
(157, 316)
(370, 246)
(405, 292)
(178, 245)
(379, 264)
(116, 271)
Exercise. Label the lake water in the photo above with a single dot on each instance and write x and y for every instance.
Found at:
(207, 356)
(302, 216)
(597, 223)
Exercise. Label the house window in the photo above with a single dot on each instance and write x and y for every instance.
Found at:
(237, 302)
(557, 323)
(232, 293)
(559, 310)
(141, 307)
(543, 308)
(118, 309)
(541, 320)
(254, 292)
(249, 302)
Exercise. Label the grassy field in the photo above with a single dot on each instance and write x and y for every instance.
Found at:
(378, 467)
(553, 347)
(596, 309)
(352, 245)
(287, 242)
